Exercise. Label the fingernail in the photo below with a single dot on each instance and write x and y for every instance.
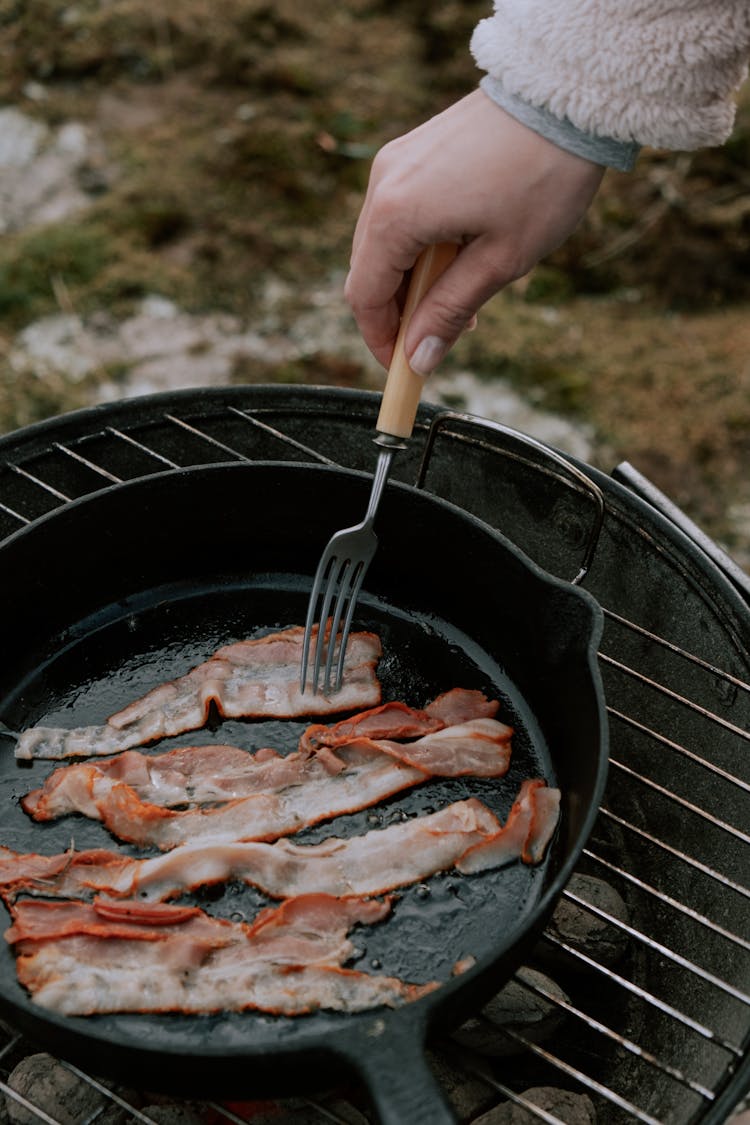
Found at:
(427, 355)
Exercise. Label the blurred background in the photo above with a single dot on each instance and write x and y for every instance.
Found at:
(179, 184)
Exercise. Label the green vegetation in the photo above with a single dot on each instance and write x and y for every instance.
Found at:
(238, 138)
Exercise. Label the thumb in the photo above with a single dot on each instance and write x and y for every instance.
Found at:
(450, 306)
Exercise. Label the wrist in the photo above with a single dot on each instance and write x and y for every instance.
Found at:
(618, 155)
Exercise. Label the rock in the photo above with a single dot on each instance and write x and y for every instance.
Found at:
(585, 931)
(41, 170)
(467, 1094)
(54, 344)
(50, 1086)
(518, 1008)
(564, 1105)
(158, 348)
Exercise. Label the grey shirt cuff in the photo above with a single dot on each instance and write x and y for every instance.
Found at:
(620, 155)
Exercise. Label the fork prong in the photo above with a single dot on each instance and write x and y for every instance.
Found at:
(323, 620)
(328, 581)
(337, 587)
(356, 577)
(336, 573)
(320, 573)
(308, 634)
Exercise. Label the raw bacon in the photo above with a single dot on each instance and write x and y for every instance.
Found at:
(202, 774)
(478, 748)
(378, 861)
(81, 959)
(187, 775)
(248, 679)
(290, 793)
(526, 833)
(62, 875)
(308, 929)
(365, 779)
(397, 720)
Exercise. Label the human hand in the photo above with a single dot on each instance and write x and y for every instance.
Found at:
(475, 176)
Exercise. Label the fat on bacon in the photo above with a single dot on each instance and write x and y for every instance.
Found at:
(78, 958)
(248, 679)
(466, 835)
(302, 789)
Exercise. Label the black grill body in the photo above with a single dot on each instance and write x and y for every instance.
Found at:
(662, 1035)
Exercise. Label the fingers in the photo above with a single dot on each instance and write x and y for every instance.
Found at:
(385, 246)
(451, 305)
(379, 328)
(448, 309)
(375, 290)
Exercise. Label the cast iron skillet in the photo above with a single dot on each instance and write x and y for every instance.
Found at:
(120, 591)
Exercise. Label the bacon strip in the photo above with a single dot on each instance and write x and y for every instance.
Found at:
(300, 790)
(397, 720)
(308, 929)
(203, 774)
(81, 959)
(528, 830)
(189, 774)
(378, 861)
(374, 863)
(248, 679)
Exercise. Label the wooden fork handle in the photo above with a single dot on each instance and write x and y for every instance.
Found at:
(403, 388)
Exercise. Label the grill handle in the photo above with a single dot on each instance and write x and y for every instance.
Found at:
(625, 474)
(574, 475)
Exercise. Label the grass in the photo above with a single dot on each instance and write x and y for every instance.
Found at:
(238, 142)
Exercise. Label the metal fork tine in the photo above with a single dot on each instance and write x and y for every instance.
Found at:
(359, 574)
(320, 573)
(325, 610)
(337, 581)
(349, 586)
(341, 587)
(337, 586)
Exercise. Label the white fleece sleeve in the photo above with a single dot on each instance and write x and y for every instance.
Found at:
(662, 73)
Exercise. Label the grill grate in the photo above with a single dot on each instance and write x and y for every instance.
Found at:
(660, 1035)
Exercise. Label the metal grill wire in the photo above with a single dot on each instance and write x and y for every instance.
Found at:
(692, 1057)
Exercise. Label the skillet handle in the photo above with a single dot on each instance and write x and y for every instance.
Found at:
(403, 389)
(445, 417)
(391, 1063)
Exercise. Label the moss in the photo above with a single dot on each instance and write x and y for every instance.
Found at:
(26, 398)
(89, 265)
(31, 265)
(153, 219)
(548, 285)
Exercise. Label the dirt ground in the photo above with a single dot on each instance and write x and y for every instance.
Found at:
(236, 141)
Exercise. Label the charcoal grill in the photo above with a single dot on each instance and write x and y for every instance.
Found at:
(660, 1036)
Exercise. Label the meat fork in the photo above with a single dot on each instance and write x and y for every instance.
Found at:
(349, 552)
